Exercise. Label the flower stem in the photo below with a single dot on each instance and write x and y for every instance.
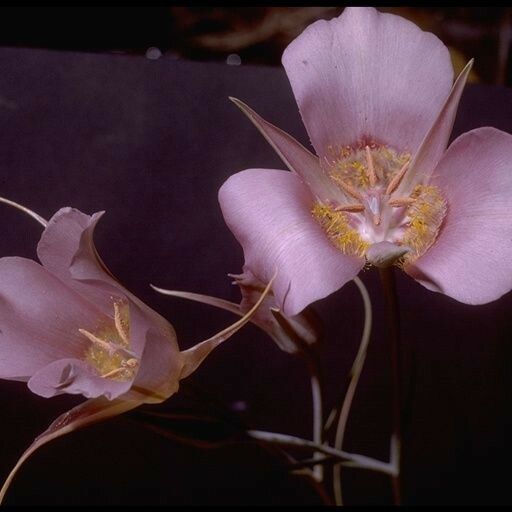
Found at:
(353, 460)
(26, 210)
(355, 373)
(316, 392)
(387, 277)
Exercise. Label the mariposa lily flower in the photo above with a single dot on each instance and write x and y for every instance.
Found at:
(375, 94)
(68, 326)
(292, 334)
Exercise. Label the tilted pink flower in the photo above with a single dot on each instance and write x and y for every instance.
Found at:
(293, 334)
(376, 97)
(67, 326)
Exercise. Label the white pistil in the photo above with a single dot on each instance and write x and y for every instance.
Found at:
(397, 179)
(371, 169)
(374, 207)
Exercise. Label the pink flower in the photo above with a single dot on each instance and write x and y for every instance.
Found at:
(67, 326)
(375, 94)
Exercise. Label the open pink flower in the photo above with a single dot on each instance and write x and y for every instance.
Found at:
(376, 96)
(67, 326)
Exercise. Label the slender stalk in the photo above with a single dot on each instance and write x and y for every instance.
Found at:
(309, 463)
(316, 391)
(353, 460)
(355, 373)
(26, 210)
(393, 318)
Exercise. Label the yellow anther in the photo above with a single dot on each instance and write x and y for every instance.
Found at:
(401, 201)
(371, 169)
(97, 341)
(397, 179)
(350, 190)
(350, 208)
(122, 327)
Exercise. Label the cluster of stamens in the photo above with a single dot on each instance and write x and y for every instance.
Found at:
(369, 177)
(109, 350)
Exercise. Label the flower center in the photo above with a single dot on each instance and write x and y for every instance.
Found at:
(109, 351)
(369, 177)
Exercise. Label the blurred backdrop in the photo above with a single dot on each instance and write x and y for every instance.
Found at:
(75, 126)
(244, 35)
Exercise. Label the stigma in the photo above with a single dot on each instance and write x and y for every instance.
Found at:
(109, 345)
(369, 176)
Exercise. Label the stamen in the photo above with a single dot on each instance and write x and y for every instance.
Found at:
(131, 363)
(401, 201)
(350, 190)
(126, 366)
(397, 179)
(376, 219)
(350, 208)
(113, 373)
(101, 343)
(121, 326)
(371, 170)
(338, 229)
(110, 352)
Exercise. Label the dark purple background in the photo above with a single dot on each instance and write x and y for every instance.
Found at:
(151, 142)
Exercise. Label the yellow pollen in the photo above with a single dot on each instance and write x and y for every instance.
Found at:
(109, 351)
(356, 169)
(369, 175)
(425, 217)
(339, 231)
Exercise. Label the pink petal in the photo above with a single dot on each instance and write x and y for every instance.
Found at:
(295, 156)
(66, 247)
(72, 376)
(39, 319)
(368, 75)
(87, 413)
(67, 250)
(472, 259)
(160, 367)
(436, 140)
(269, 212)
